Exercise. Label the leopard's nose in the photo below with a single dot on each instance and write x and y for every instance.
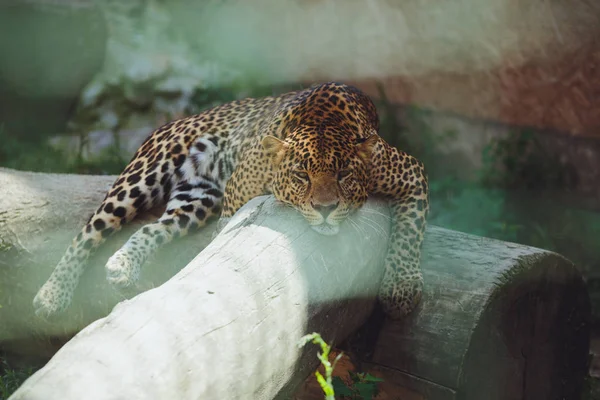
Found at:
(325, 210)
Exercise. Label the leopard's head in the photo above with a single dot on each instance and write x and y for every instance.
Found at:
(323, 176)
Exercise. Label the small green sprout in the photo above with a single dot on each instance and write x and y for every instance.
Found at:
(325, 382)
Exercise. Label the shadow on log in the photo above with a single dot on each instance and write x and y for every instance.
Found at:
(498, 321)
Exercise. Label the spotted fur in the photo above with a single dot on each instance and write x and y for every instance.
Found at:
(317, 150)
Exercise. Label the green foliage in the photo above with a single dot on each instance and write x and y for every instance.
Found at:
(39, 155)
(591, 389)
(362, 386)
(532, 217)
(324, 381)
(520, 160)
(12, 378)
(24, 154)
(108, 161)
(532, 181)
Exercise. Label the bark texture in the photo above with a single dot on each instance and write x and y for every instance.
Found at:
(498, 320)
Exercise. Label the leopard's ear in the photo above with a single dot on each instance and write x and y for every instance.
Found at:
(365, 148)
(274, 148)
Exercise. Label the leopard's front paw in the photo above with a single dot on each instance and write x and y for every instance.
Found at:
(122, 270)
(399, 299)
(51, 299)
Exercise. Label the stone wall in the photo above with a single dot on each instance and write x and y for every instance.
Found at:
(561, 94)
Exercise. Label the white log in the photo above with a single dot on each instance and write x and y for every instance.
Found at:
(227, 325)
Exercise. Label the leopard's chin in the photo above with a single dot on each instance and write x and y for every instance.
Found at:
(326, 229)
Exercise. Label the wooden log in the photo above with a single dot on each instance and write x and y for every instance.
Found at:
(498, 320)
(227, 325)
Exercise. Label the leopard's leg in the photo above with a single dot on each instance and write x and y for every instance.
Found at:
(192, 205)
(403, 180)
(147, 181)
(129, 195)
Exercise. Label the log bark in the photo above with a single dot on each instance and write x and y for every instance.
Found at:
(227, 325)
(498, 321)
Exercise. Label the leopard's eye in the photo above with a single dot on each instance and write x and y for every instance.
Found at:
(301, 176)
(343, 174)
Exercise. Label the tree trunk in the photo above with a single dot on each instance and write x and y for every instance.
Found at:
(498, 321)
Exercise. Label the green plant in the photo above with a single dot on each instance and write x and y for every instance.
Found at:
(39, 155)
(520, 160)
(362, 386)
(12, 378)
(326, 381)
(591, 388)
(29, 154)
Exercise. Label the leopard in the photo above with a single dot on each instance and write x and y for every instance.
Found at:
(317, 150)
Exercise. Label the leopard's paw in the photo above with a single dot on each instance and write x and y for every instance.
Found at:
(400, 298)
(122, 270)
(51, 299)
